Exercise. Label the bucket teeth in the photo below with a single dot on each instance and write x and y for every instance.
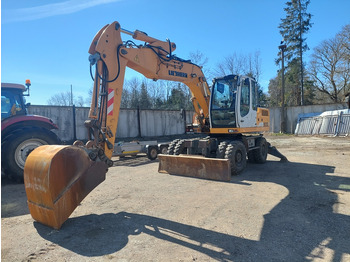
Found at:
(57, 178)
(195, 166)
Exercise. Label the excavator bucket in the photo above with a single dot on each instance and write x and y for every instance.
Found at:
(57, 178)
(195, 166)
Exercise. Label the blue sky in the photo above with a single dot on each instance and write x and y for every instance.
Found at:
(47, 41)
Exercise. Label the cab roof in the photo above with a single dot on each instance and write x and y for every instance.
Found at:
(15, 86)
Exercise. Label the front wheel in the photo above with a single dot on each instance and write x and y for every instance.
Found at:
(18, 146)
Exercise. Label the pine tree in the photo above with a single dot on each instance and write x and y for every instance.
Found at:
(293, 29)
(144, 100)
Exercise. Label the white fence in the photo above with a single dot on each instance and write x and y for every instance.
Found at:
(292, 115)
(335, 123)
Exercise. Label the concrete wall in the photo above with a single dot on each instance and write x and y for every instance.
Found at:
(293, 112)
(152, 122)
(157, 122)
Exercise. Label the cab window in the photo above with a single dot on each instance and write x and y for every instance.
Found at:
(245, 97)
(255, 96)
(11, 104)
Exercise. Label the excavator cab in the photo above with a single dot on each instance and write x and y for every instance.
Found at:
(223, 102)
(233, 102)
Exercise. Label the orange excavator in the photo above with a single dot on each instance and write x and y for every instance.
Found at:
(58, 177)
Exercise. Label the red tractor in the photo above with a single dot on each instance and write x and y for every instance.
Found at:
(20, 132)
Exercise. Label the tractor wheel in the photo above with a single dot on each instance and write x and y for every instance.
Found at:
(17, 147)
(237, 155)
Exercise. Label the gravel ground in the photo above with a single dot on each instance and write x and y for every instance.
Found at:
(294, 211)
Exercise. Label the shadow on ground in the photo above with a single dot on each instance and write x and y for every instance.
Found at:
(299, 228)
(133, 161)
(13, 198)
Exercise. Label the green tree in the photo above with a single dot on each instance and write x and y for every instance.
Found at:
(126, 97)
(293, 29)
(177, 99)
(144, 99)
(133, 87)
(274, 92)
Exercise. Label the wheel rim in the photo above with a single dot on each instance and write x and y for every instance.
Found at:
(23, 150)
(153, 153)
(164, 150)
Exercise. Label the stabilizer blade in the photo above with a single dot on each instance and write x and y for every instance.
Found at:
(195, 166)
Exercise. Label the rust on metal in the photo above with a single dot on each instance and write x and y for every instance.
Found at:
(195, 166)
(57, 178)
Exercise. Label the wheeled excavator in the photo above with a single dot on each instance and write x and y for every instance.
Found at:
(58, 177)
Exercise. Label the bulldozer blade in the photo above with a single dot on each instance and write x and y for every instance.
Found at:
(57, 178)
(195, 166)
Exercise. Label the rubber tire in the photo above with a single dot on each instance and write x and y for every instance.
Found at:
(13, 157)
(152, 153)
(164, 150)
(180, 148)
(251, 156)
(172, 146)
(260, 154)
(220, 152)
(237, 154)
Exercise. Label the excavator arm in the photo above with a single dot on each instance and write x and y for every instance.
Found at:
(154, 59)
(110, 56)
(57, 178)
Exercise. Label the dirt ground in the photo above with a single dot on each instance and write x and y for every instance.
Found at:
(295, 211)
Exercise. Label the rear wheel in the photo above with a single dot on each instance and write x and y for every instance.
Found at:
(237, 155)
(18, 146)
(259, 155)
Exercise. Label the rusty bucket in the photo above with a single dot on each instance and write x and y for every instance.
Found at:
(57, 178)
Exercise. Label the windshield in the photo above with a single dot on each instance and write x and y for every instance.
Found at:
(11, 103)
(223, 103)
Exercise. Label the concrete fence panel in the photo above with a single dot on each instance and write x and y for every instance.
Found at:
(147, 123)
(132, 122)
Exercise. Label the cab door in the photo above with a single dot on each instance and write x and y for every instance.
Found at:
(246, 108)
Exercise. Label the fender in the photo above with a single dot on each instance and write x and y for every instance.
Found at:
(11, 123)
